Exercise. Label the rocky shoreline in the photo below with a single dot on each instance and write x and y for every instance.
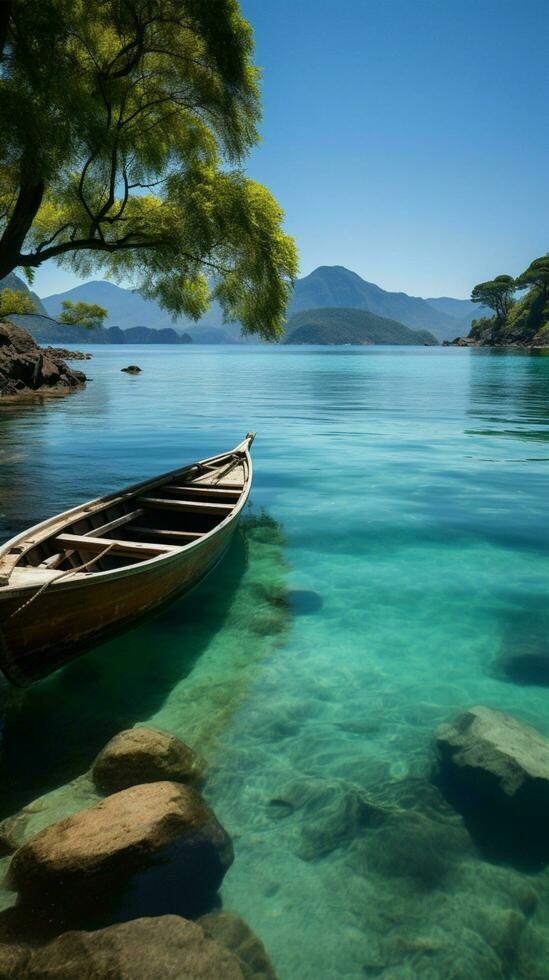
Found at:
(27, 369)
(66, 354)
(472, 342)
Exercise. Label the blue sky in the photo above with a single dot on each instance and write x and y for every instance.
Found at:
(405, 139)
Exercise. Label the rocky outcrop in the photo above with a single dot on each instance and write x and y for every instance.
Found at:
(66, 354)
(145, 755)
(132, 369)
(163, 948)
(495, 770)
(460, 342)
(26, 368)
(99, 849)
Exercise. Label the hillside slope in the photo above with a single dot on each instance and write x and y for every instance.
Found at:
(351, 326)
(335, 286)
(126, 307)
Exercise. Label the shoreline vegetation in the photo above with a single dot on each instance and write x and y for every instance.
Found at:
(521, 323)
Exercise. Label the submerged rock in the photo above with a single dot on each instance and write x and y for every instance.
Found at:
(25, 367)
(163, 948)
(146, 755)
(304, 601)
(495, 770)
(525, 668)
(409, 844)
(331, 813)
(99, 849)
(132, 369)
(233, 933)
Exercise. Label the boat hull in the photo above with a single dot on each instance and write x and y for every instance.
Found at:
(70, 617)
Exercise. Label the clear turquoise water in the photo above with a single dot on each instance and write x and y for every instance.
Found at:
(410, 487)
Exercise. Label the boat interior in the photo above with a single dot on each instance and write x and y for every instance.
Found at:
(155, 518)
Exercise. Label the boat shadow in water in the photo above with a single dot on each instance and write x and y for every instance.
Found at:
(53, 730)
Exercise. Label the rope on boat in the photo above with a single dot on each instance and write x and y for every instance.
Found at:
(238, 459)
(69, 571)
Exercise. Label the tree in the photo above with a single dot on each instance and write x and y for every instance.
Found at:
(14, 302)
(123, 125)
(497, 294)
(536, 275)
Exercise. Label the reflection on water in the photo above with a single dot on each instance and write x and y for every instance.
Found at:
(411, 485)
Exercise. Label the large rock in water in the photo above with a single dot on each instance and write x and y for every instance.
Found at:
(25, 367)
(495, 770)
(164, 948)
(145, 755)
(98, 850)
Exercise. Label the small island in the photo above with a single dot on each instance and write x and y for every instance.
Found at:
(351, 326)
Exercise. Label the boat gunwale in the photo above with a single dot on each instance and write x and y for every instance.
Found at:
(87, 509)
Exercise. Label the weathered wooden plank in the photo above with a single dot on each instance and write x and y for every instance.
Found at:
(155, 532)
(96, 532)
(205, 492)
(81, 542)
(191, 506)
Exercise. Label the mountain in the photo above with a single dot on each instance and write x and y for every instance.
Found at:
(335, 286)
(45, 331)
(459, 308)
(126, 307)
(327, 286)
(350, 326)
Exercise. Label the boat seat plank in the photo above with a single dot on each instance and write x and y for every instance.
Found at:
(97, 532)
(192, 506)
(81, 542)
(156, 532)
(54, 560)
(207, 492)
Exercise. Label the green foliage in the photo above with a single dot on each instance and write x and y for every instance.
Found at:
(122, 127)
(537, 274)
(88, 315)
(526, 323)
(350, 326)
(497, 294)
(14, 301)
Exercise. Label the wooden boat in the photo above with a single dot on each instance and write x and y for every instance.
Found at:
(79, 578)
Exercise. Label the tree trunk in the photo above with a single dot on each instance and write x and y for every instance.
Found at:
(17, 228)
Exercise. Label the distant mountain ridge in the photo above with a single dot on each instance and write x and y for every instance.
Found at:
(326, 287)
(351, 326)
(336, 286)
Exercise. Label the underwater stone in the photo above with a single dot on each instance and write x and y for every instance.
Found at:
(304, 601)
(229, 930)
(99, 849)
(163, 948)
(332, 813)
(410, 844)
(495, 771)
(525, 669)
(145, 755)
